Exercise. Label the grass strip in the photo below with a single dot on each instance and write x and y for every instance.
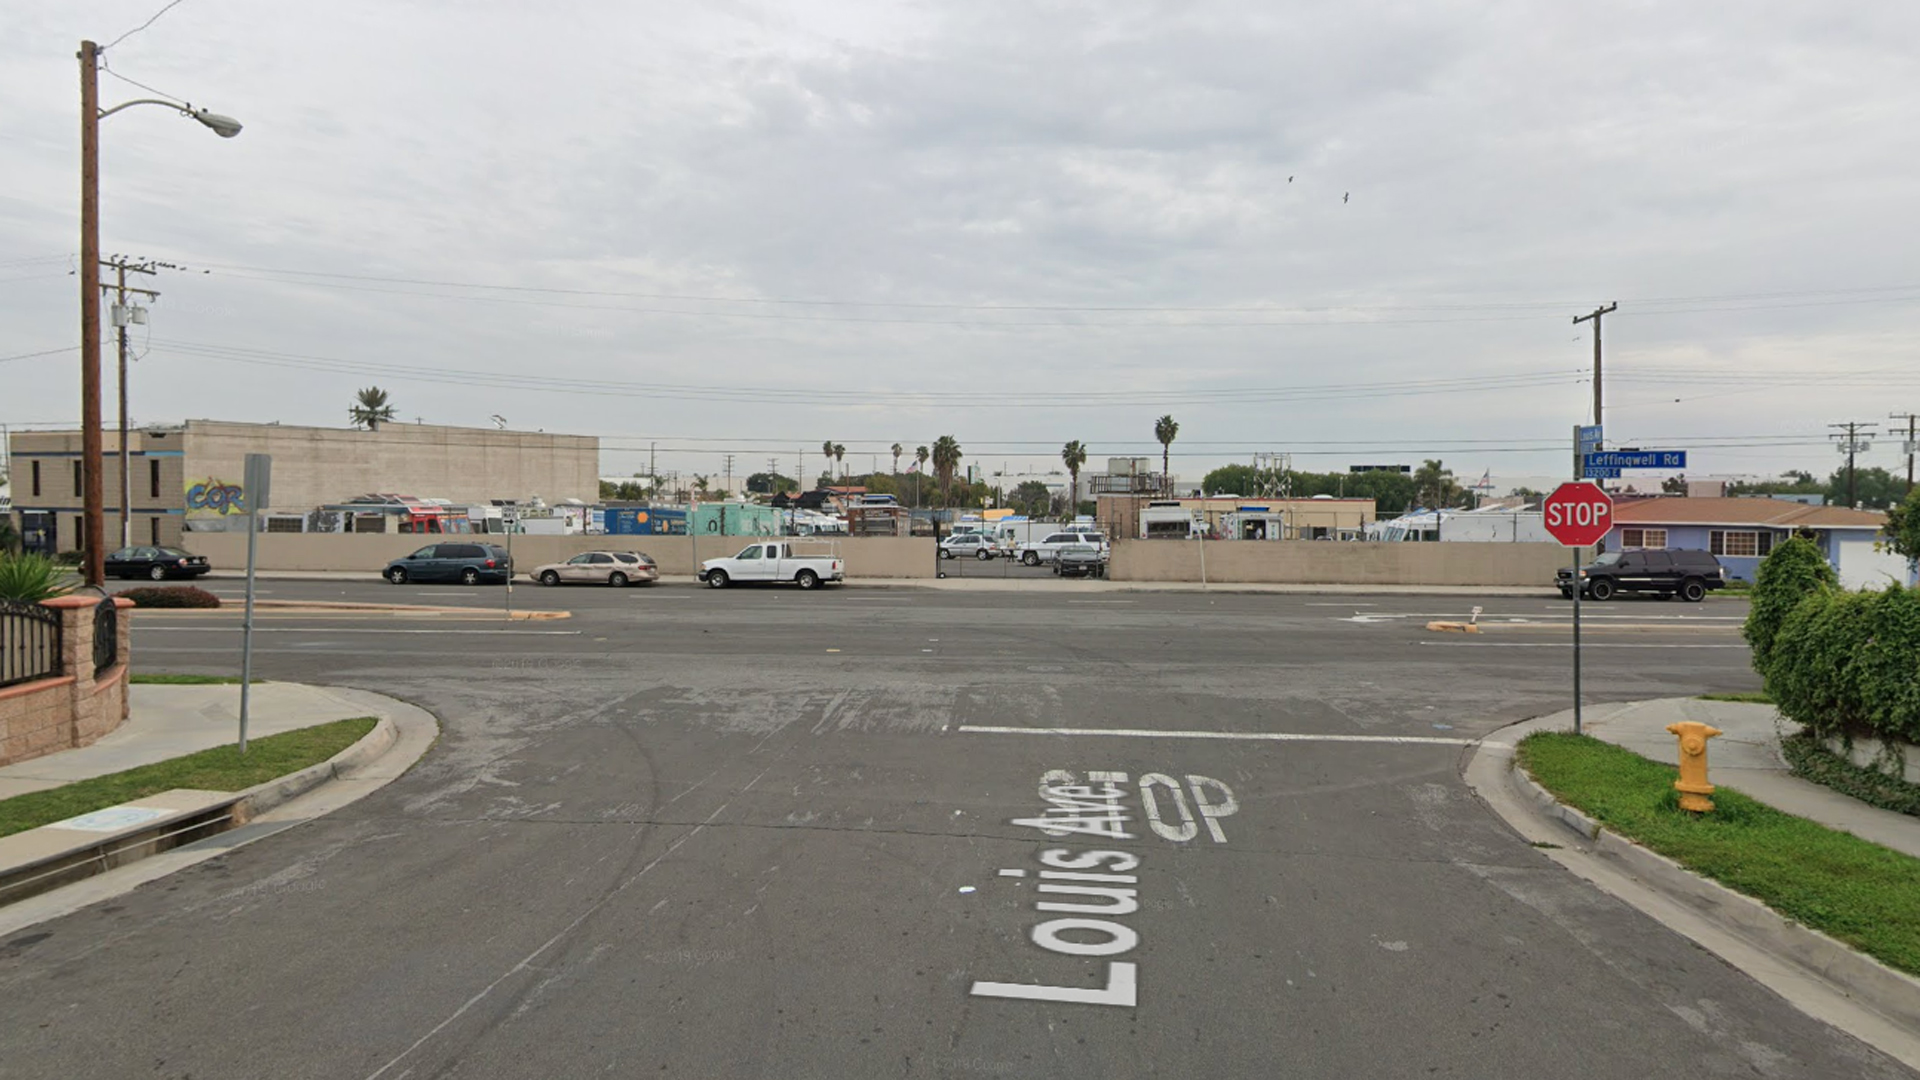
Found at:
(1847, 888)
(188, 680)
(1746, 697)
(219, 769)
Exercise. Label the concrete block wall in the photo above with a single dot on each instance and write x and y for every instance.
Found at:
(79, 705)
(1311, 562)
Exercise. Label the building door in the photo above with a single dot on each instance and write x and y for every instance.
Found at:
(40, 532)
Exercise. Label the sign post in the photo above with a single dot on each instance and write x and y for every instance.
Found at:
(1577, 514)
(254, 493)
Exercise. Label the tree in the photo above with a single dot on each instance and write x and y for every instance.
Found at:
(1031, 498)
(700, 484)
(827, 449)
(1241, 480)
(839, 454)
(371, 410)
(1675, 485)
(1434, 486)
(1166, 429)
(9, 536)
(1874, 488)
(920, 455)
(764, 483)
(1073, 455)
(1903, 528)
(896, 459)
(946, 460)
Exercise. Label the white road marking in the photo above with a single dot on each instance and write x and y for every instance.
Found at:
(1312, 604)
(1563, 645)
(1246, 736)
(349, 630)
(1103, 601)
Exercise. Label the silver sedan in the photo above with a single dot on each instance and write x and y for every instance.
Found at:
(615, 568)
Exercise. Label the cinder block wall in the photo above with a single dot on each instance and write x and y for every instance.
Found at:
(77, 706)
(1305, 562)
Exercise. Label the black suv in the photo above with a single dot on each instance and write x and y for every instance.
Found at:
(469, 564)
(1686, 574)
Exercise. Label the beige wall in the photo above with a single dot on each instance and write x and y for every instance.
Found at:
(1333, 563)
(57, 451)
(866, 557)
(312, 466)
(78, 706)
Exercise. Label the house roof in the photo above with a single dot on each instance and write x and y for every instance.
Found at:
(1775, 513)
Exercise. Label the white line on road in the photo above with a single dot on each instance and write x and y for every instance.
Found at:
(1244, 736)
(229, 629)
(1562, 645)
(1103, 601)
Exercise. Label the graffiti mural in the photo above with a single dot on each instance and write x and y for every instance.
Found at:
(211, 496)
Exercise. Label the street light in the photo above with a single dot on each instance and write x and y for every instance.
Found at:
(94, 498)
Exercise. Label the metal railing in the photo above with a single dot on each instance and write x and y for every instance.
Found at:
(106, 635)
(29, 642)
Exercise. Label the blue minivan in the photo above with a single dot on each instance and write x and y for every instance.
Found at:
(469, 564)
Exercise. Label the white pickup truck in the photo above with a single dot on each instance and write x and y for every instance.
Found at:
(774, 561)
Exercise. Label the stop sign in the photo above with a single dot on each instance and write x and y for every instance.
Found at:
(1578, 514)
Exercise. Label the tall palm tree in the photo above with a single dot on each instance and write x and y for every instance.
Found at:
(1074, 455)
(946, 460)
(896, 459)
(839, 455)
(920, 454)
(827, 449)
(1166, 429)
(371, 410)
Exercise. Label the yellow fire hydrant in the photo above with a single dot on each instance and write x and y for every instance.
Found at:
(1692, 785)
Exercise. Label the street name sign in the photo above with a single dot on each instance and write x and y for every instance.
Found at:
(1635, 459)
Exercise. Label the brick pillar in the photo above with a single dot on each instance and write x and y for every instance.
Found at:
(94, 708)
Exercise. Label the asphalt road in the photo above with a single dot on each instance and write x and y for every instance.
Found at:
(763, 833)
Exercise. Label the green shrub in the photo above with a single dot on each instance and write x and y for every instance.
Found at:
(76, 557)
(1847, 663)
(32, 578)
(1793, 571)
(172, 596)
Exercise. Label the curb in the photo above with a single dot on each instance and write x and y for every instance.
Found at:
(261, 798)
(1893, 994)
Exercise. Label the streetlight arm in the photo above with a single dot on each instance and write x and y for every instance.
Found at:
(224, 126)
(174, 105)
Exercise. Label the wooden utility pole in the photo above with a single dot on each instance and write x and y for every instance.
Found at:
(1852, 445)
(93, 498)
(1910, 418)
(1596, 316)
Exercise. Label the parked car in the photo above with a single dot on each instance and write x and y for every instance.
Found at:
(978, 545)
(1080, 560)
(1044, 549)
(774, 561)
(469, 564)
(615, 568)
(156, 563)
(1690, 575)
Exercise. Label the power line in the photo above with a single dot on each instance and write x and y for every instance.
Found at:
(142, 26)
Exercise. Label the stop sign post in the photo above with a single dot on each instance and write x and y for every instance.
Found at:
(1578, 515)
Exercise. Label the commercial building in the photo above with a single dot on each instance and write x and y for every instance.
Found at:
(1741, 532)
(188, 477)
(1235, 517)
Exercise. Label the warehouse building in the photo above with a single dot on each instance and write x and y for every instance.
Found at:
(187, 478)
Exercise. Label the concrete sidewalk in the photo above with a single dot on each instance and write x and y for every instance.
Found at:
(1745, 757)
(170, 721)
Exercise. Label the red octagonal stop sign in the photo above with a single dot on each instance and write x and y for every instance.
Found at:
(1578, 514)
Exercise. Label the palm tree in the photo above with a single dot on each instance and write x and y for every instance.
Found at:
(946, 460)
(827, 449)
(920, 454)
(839, 455)
(1166, 429)
(1074, 455)
(896, 459)
(371, 410)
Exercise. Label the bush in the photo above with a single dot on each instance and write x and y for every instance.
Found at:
(32, 578)
(1844, 663)
(172, 596)
(76, 557)
(1795, 570)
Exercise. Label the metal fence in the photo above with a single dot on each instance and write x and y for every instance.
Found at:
(29, 642)
(106, 635)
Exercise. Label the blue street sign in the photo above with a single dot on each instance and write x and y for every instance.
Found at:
(1635, 459)
(1588, 438)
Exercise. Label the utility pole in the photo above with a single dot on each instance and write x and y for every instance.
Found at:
(653, 476)
(1852, 445)
(123, 316)
(1909, 418)
(93, 499)
(729, 474)
(1596, 316)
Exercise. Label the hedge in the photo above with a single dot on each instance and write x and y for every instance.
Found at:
(1848, 663)
(1793, 571)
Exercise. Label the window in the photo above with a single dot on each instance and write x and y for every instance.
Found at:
(153, 478)
(1643, 538)
(76, 478)
(36, 478)
(153, 530)
(1736, 544)
(1766, 544)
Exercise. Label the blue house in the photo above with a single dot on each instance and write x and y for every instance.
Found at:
(1741, 532)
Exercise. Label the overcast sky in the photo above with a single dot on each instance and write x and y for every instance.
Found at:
(1353, 232)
